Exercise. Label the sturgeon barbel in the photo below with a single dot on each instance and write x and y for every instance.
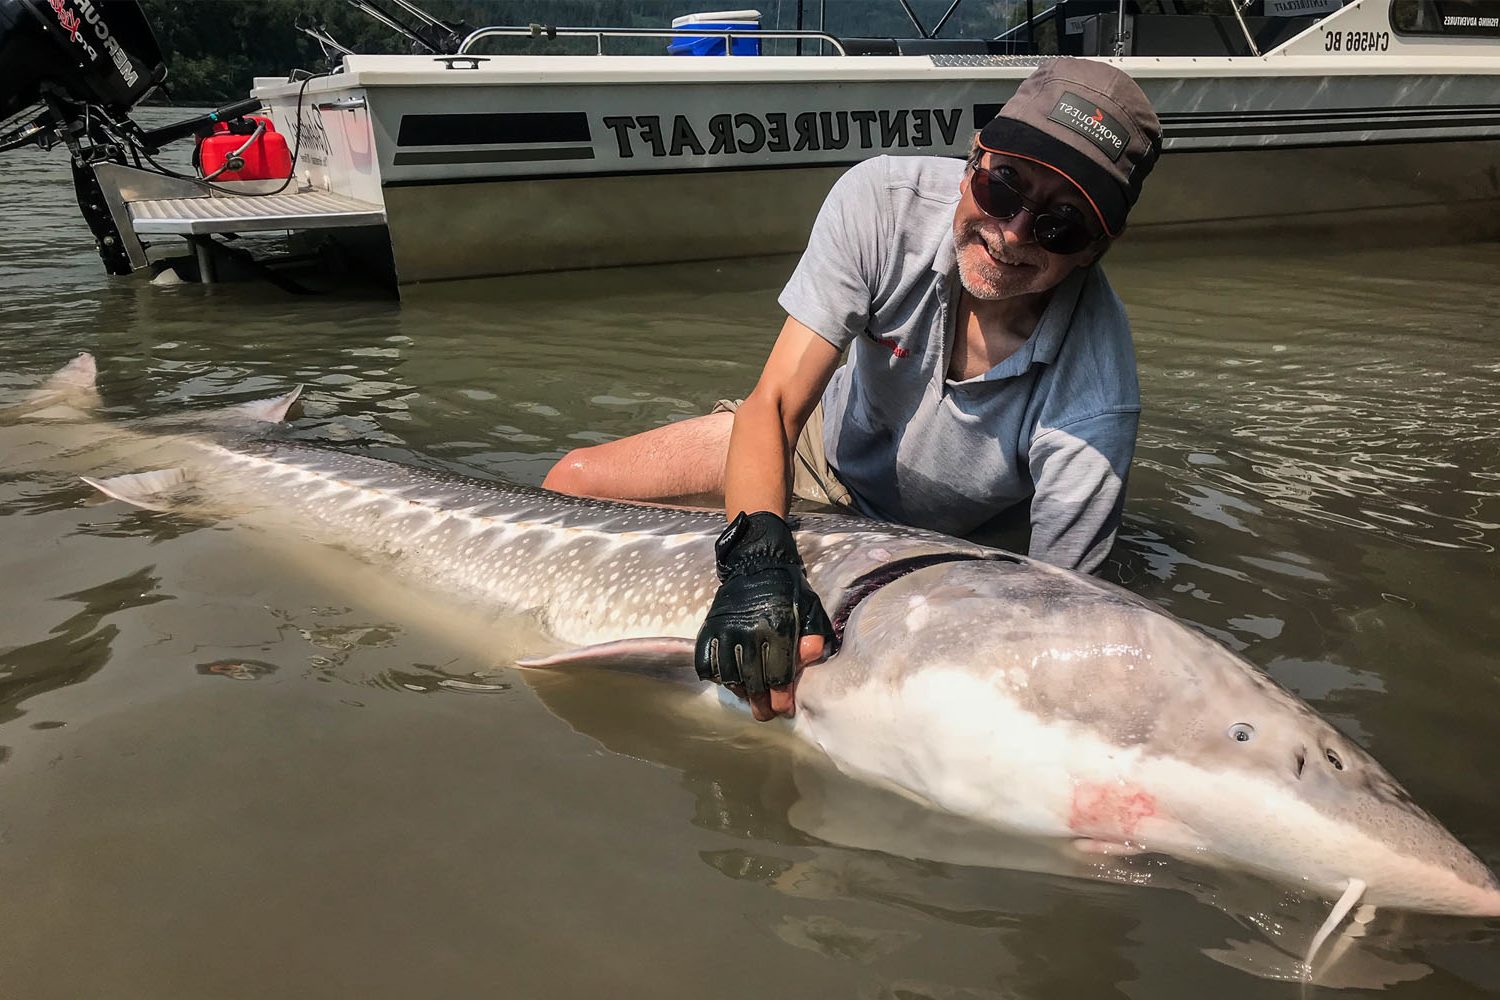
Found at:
(988, 685)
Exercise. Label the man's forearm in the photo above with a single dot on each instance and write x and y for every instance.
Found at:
(757, 470)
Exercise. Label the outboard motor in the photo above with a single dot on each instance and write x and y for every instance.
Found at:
(71, 71)
(99, 52)
(81, 65)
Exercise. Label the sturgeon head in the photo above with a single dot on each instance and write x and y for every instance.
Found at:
(1043, 701)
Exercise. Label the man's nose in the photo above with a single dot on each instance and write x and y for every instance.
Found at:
(1017, 230)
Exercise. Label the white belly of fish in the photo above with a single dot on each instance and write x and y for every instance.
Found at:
(954, 740)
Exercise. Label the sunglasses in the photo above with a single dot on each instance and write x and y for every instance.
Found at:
(1055, 233)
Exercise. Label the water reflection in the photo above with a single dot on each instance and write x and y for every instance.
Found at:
(79, 646)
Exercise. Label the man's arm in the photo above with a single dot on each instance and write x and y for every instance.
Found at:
(765, 622)
(758, 469)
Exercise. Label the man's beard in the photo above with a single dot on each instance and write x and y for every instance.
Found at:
(967, 245)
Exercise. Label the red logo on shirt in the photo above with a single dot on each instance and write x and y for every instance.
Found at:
(892, 346)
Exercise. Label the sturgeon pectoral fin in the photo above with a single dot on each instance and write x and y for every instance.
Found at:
(663, 657)
(147, 490)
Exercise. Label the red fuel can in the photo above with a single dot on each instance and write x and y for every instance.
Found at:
(265, 159)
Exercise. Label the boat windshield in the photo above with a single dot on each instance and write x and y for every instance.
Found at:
(890, 27)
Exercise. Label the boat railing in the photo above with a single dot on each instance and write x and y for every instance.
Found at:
(1238, 6)
(550, 32)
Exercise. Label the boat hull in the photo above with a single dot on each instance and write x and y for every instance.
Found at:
(527, 164)
(1406, 195)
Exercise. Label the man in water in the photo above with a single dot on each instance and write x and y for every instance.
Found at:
(990, 363)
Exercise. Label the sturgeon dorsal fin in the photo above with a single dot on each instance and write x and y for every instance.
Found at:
(662, 657)
(272, 410)
(147, 490)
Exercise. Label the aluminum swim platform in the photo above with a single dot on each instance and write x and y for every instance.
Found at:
(146, 206)
(247, 214)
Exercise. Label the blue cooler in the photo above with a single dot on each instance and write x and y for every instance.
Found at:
(711, 45)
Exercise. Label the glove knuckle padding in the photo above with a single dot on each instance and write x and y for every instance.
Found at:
(705, 655)
(763, 607)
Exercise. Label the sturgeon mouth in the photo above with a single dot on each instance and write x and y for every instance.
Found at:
(889, 573)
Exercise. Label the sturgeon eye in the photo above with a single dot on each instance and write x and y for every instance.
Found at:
(1242, 732)
(1333, 758)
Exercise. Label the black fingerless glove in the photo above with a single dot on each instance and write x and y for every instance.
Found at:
(763, 607)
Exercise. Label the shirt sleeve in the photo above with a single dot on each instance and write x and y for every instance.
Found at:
(1079, 473)
(834, 284)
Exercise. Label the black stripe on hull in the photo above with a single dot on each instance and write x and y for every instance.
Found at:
(493, 156)
(494, 128)
(1331, 128)
(1329, 114)
(590, 174)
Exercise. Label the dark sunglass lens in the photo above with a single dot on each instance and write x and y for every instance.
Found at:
(1060, 234)
(994, 197)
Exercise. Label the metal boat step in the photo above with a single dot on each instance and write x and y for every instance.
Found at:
(246, 214)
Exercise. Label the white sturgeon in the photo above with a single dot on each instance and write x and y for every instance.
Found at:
(980, 683)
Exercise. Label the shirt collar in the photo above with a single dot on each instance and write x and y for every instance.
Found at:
(1045, 343)
(1058, 317)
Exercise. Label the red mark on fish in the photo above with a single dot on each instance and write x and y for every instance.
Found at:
(1109, 811)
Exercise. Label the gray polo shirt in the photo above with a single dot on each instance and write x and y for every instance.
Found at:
(1054, 423)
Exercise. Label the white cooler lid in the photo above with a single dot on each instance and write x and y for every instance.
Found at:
(728, 16)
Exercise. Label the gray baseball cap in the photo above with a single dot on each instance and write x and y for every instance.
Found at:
(1089, 122)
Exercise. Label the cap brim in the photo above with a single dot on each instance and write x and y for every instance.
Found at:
(1016, 138)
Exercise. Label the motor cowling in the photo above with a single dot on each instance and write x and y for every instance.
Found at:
(98, 52)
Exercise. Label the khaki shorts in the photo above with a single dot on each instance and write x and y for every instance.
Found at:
(812, 478)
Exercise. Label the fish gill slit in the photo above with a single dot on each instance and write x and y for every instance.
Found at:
(887, 574)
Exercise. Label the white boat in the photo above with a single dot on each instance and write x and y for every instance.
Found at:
(1381, 118)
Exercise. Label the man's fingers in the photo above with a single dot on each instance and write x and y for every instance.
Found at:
(760, 707)
(784, 700)
(760, 704)
(811, 649)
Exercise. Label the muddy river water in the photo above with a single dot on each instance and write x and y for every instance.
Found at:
(228, 769)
